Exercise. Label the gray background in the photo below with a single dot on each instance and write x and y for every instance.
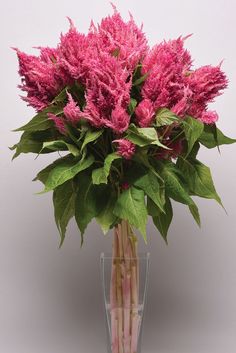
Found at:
(50, 299)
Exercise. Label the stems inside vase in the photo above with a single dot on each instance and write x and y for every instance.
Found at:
(124, 290)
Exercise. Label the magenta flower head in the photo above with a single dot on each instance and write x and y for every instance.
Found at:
(209, 117)
(125, 148)
(165, 65)
(41, 78)
(119, 120)
(121, 39)
(72, 111)
(145, 113)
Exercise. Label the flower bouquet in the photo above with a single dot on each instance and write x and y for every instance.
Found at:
(127, 122)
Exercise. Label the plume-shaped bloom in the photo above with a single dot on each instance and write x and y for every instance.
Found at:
(107, 93)
(59, 123)
(165, 66)
(74, 49)
(121, 39)
(125, 148)
(144, 113)
(206, 83)
(42, 78)
(209, 117)
(72, 111)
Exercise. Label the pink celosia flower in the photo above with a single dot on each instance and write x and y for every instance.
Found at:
(42, 79)
(206, 83)
(119, 120)
(166, 64)
(107, 93)
(74, 49)
(72, 111)
(144, 113)
(125, 148)
(209, 117)
(122, 39)
(182, 106)
(59, 123)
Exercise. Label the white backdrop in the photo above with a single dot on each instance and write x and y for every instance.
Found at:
(50, 299)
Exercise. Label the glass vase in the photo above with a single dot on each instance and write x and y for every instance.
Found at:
(124, 317)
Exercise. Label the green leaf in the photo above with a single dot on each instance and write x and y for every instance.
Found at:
(40, 121)
(174, 183)
(100, 175)
(106, 217)
(65, 170)
(91, 136)
(193, 129)
(165, 117)
(150, 184)
(64, 206)
(199, 179)
(60, 145)
(89, 201)
(132, 105)
(195, 213)
(131, 206)
(143, 136)
(32, 142)
(62, 96)
(212, 137)
(163, 220)
(140, 80)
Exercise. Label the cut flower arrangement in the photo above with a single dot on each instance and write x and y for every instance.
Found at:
(131, 120)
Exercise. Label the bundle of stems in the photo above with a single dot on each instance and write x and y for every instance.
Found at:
(124, 290)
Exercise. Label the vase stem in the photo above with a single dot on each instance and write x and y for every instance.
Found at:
(124, 290)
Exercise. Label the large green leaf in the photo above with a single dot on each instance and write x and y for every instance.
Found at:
(199, 179)
(153, 188)
(32, 142)
(193, 129)
(162, 220)
(174, 183)
(89, 201)
(91, 136)
(63, 170)
(100, 175)
(165, 117)
(131, 206)
(195, 213)
(64, 206)
(40, 121)
(143, 136)
(212, 137)
(106, 217)
(60, 145)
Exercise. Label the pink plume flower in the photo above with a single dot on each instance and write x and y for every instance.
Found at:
(209, 117)
(119, 120)
(165, 65)
(42, 78)
(59, 123)
(122, 39)
(206, 83)
(145, 112)
(74, 49)
(107, 93)
(126, 149)
(72, 111)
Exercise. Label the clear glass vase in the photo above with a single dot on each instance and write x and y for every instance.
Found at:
(124, 322)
